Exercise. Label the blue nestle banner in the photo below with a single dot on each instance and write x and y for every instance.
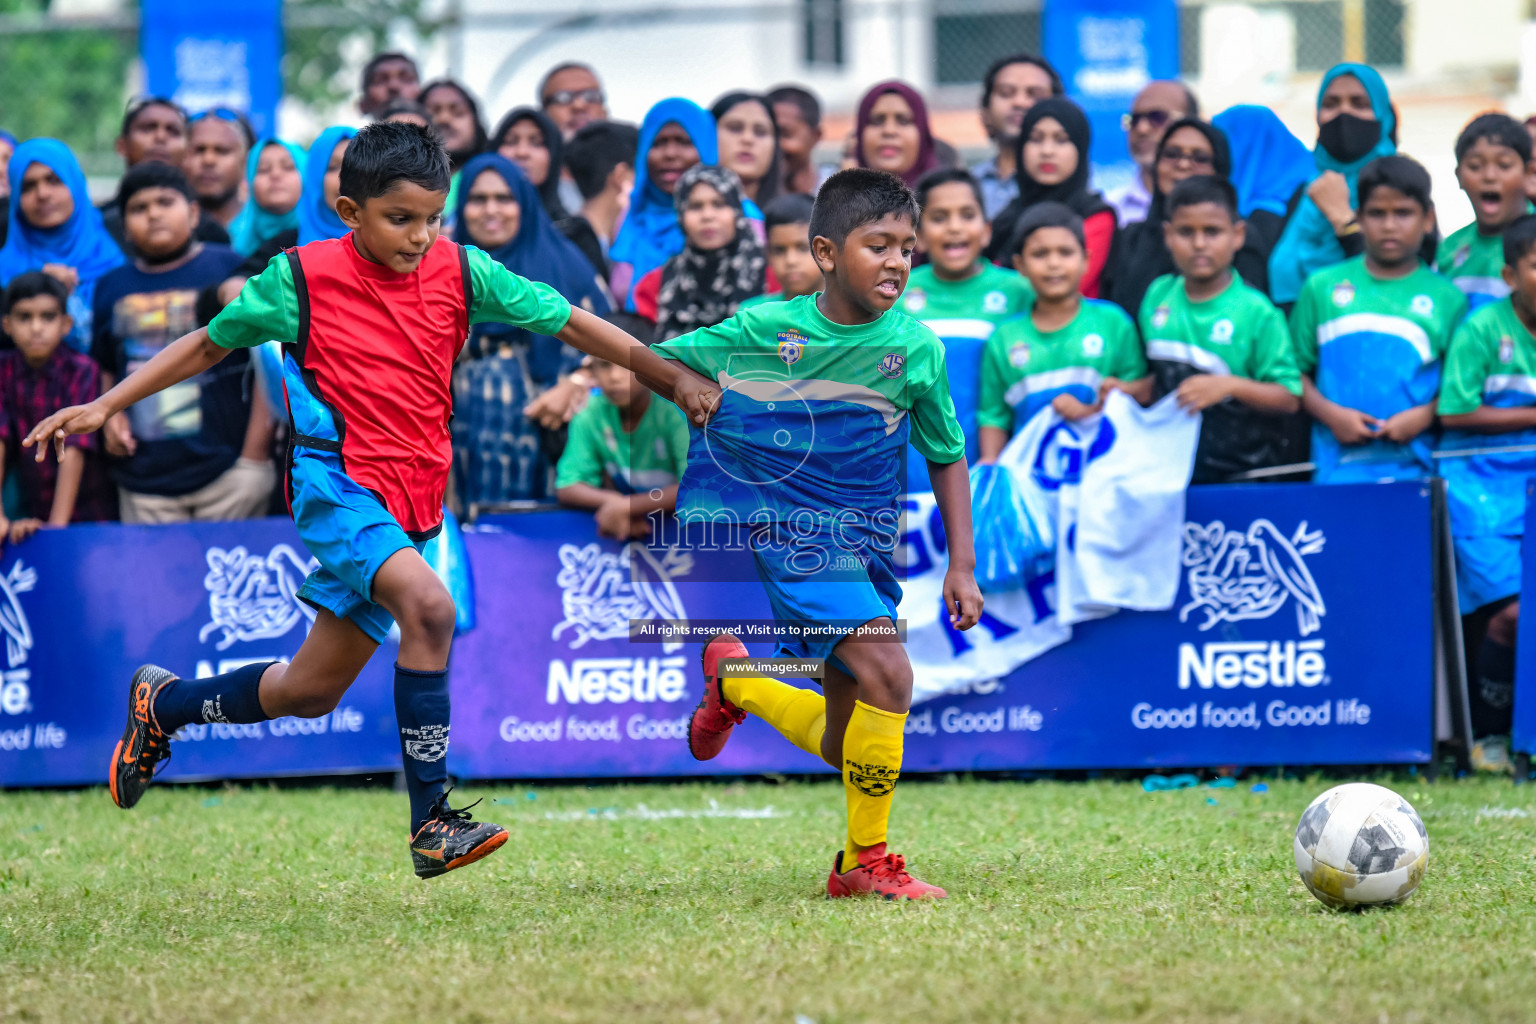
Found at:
(206, 55)
(1302, 634)
(1105, 51)
(1523, 729)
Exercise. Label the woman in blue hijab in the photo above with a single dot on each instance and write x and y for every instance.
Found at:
(500, 453)
(1355, 125)
(269, 213)
(675, 135)
(54, 227)
(1269, 165)
(317, 203)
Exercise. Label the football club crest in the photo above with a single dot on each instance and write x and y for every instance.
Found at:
(1018, 356)
(791, 346)
(994, 302)
(1221, 331)
(1343, 293)
(891, 366)
(1506, 349)
(1159, 316)
(1093, 344)
(916, 299)
(1422, 305)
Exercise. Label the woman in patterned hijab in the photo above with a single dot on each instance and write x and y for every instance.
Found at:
(723, 264)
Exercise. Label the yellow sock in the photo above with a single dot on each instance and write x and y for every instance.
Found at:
(871, 765)
(799, 714)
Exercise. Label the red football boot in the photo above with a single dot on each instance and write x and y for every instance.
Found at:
(880, 874)
(715, 716)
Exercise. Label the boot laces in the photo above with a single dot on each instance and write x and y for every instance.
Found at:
(892, 867)
(451, 819)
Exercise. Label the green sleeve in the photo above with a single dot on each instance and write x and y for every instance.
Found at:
(1273, 360)
(267, 309)
(500, 296)
(992, 409)
(582, 461)
(1467, 363)
(1128, 360)
(936, 433)
(1304, 329)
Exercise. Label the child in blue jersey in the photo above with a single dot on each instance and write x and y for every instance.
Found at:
(819, 398)
(1067, 352)
(1369, 334)
(1487, 404)
(1493, 167)
(961, 296)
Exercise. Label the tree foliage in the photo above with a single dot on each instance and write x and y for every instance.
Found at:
(317, 33)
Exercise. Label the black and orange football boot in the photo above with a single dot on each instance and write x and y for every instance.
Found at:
(451, 838)
(143, 746)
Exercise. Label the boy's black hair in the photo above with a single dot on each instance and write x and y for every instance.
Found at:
(1045, 215)
(790, 208)
(996, 68)
(152, 174)
(637, 327)
(384, 58)
(596, 149)
(32, 284)
(1403, 173)
(948, 176)
(1499, 129)
(1519, 239)
(386, 153)
(143, 103)
(858, 196)
(801, 97)
(1202, 188)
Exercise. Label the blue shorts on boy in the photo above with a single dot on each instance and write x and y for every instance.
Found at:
(1376, 345)
(808, 448)
(1491, 361)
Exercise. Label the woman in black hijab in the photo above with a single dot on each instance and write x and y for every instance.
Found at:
(528, 138)
(1189, 147)
(1052, 155)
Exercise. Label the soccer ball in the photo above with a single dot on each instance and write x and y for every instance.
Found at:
(1361, 845)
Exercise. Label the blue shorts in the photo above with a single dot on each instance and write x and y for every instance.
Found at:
(823, 592)
(348, 529)
(1487, 570)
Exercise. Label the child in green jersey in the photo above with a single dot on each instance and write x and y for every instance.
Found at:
(961, 296)
(1221, 345)
(787, 221)
(1493, 167)
(818, 397)
(1067, 352)
(624, 456)
(1369, 334)
(1488, 408)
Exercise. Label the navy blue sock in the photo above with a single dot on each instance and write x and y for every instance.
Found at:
(230, 697)
(421, 708)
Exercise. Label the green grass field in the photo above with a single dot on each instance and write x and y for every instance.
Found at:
(702, 902)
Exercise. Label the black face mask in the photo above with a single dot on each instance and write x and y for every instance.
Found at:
(1347, 138)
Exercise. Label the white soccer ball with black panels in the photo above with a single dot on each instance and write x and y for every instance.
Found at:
(1361, 845)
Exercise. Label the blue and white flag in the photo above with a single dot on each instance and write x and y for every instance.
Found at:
(1110, 490)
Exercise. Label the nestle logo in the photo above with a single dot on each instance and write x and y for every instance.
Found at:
(616, 680)
(1253, 663)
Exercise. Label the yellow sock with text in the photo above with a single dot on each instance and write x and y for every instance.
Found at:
(871, 765)
(799, 714)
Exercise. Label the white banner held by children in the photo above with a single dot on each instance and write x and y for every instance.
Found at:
(1115, 485)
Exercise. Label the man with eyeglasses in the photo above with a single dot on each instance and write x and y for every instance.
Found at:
(572, 97)
(1157, 106)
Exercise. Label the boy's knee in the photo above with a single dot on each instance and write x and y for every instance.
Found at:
(430, 615)
(1503, 626)
(313, 705)
(887, 683)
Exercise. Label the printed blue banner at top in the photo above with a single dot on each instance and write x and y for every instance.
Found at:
(206, 55)
(1523, 730)
(1105, 51)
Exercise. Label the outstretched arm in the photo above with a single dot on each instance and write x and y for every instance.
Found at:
(696, 395)
(952, 492)
(185, 357)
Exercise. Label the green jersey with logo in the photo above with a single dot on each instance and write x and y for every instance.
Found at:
(814, 415)
(758, 300)
(1024, 368)
(1474, 263)
(1374, 344)
(601, 453)
(1238, 331)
